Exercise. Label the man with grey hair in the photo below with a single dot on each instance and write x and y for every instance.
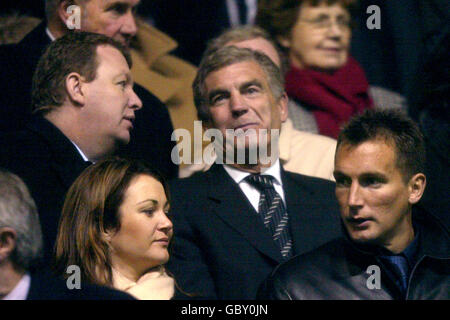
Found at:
(20, 237)
(21, 277)
(240, 219)
(301, 152)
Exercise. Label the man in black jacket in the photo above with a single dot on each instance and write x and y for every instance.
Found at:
(84, 107)
(151, 136)
(240, 219)
(392, 249)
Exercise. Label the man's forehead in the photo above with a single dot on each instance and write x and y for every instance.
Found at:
(110, 54)
(240, 71)
(369, 154)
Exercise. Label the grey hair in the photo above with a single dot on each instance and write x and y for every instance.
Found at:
(244, 33)
(225, 57)
(18, 211)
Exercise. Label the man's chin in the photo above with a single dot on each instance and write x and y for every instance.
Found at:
(123, 140)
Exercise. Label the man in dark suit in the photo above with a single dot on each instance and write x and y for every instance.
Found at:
(239, 220)
(151, 137)
(20, 249)
(85, 106)
(391, 248)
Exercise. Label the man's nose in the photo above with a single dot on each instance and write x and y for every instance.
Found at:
(354, 197)
(129, 26)
(134, 101)
(238, 105)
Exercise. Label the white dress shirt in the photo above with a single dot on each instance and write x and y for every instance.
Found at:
(20, 291)
(249, 190)
(80, 152)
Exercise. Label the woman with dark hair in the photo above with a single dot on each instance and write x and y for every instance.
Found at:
(325, 84)
(114, 227)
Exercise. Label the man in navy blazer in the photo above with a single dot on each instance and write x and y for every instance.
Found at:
(222, 248)
(151, 136)
(84, 107)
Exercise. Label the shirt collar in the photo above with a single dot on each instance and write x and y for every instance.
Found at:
(80, 152)
(20, 291)
(238, 175)
(50, 35)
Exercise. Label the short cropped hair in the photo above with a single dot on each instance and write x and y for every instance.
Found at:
(225, 57)
(74, 52)
(91, 208)
(243, 33)
(395, 128)
(18, 211)
(278, 17)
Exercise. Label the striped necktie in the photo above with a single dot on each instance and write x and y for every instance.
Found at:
(273, 212)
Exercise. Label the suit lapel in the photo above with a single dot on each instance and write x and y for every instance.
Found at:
(305, 214)
(232, 206)
(66, 161)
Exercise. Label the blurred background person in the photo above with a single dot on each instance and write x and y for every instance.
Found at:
(21, 276)
(114, 226)
(194, 22)
(323, 79)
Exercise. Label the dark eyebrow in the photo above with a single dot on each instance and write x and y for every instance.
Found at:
(216, 92)
(376, 175)
(251, 83)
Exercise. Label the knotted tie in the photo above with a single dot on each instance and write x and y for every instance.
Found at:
(273, 212)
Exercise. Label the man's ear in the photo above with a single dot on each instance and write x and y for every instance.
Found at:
(8, 237)
(62, 11)
(283, 105)
(75, 88)
(416, 186)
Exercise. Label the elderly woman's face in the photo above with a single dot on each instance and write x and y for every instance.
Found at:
(320, 38)
(145, 231)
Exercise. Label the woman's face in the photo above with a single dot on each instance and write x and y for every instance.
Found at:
(145, 231)
(320, 38)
